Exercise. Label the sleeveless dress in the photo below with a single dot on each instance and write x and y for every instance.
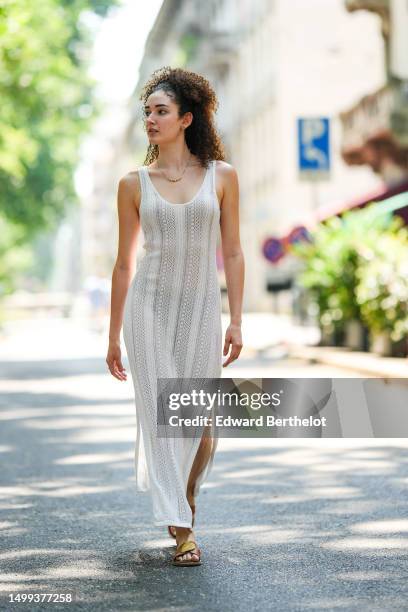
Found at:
(172, 329)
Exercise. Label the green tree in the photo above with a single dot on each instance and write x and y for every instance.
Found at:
(47, 104)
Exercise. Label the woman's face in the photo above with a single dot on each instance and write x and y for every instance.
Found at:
(161, 118)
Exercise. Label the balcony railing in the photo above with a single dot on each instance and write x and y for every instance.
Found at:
(380, 115)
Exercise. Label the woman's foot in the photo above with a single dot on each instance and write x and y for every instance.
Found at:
(185, 534)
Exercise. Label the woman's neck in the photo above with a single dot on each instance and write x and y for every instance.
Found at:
(174, 157)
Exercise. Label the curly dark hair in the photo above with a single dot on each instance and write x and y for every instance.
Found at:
(192, 93)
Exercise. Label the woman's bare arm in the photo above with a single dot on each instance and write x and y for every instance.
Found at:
(233, 257)
(128, 200)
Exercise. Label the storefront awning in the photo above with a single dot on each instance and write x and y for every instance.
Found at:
(331, 210)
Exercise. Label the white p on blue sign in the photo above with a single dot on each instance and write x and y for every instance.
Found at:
(314, 147)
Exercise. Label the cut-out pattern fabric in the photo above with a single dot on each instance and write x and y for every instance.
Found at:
(172, 329)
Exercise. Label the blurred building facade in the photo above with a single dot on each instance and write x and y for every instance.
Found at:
(270, 62)
(105, 158)
(268, 68)
(375, 129)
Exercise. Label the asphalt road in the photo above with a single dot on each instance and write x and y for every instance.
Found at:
(283, 524)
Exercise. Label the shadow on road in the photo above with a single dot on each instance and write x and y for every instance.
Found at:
(309, 524)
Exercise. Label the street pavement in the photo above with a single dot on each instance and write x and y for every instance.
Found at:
(293, 524)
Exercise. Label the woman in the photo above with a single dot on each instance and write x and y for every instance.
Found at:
(171, 310)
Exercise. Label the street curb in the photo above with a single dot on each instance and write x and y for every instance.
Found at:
(356, 361)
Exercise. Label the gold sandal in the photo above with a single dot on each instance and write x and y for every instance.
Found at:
(191, 547)
(171, 527)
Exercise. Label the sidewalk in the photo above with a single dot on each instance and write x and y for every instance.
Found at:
(366, 363)
(264, 333)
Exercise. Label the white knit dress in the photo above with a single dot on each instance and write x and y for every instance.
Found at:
(172, 329)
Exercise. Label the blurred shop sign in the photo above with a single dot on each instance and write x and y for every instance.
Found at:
(313, 148)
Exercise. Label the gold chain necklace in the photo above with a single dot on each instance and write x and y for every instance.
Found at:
(177, 179)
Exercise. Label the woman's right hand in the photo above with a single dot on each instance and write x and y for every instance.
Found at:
(114, 361)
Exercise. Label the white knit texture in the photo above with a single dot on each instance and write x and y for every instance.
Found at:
(172, 329)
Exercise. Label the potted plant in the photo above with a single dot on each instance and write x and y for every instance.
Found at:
(382, 291)
(329, 273)
(333, 269)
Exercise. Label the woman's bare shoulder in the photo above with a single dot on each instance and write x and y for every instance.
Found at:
(225, 170)
(223, 164)
(226, 180)
(131, 179)
(130, 183)
(226, 174)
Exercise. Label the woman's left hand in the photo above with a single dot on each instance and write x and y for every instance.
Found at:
(233, 337)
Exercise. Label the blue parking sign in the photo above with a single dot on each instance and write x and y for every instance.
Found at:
(314, 147)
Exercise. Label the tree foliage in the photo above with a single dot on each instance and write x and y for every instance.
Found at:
(356, 268)
(46, 106)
